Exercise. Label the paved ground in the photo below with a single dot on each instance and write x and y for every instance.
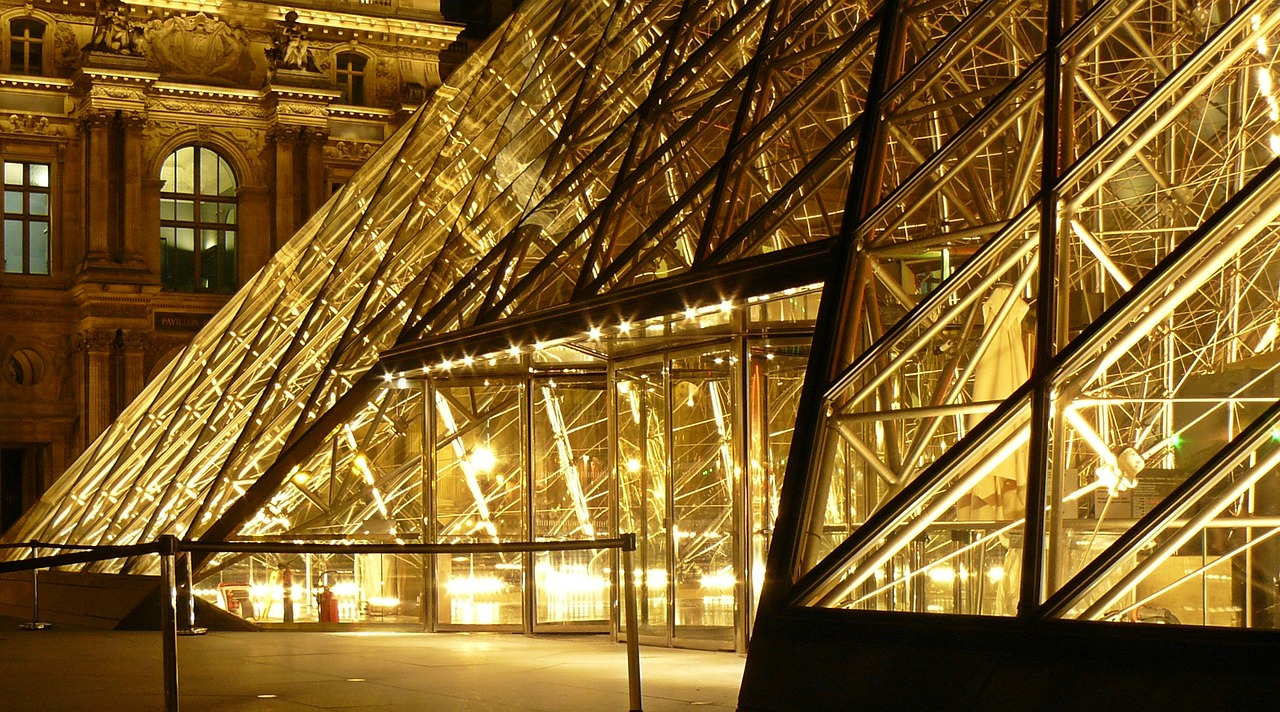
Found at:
(73, 670)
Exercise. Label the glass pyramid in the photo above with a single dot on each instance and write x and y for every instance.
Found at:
(1042, 375)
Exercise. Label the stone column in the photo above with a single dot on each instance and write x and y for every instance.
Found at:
(135, 373)
(133, 212)
(286, 208)
(97, 127)
(255, 229)
(98, 345)
(317, 176)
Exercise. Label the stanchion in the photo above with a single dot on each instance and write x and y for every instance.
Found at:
(36, 623)
(168, 621)
(186, 600)
(632, 624)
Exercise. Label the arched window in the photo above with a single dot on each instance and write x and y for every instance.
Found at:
(349, 75)
(197, 222)
(26, 46)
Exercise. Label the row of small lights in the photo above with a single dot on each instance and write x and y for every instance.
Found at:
(593, 334)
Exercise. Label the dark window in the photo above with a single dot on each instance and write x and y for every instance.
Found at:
(26, 217)
(350, 77)
(26, 46)
(197, 222)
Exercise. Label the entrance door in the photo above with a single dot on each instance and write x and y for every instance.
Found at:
(676, 464)
(704, 474)
(642, 506)
(570, 491)
(479, 497)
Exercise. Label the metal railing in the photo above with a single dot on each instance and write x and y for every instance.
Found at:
(168, 547)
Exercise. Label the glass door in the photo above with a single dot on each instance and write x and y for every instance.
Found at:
(479, 497)
(704, 476)
(642, 497)
(571, 485)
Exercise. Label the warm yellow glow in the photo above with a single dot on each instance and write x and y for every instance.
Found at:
(633, 465)
(482, 459)
(722, 579)
(942, 574)
(474, 586)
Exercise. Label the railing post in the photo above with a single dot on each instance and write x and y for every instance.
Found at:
(169, 621)
(36, 623)
(632, 624)
(186, 599)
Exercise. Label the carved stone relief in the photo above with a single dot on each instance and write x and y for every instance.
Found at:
(349, 151)
(210, 108)
(30, 124)
(388, 79)
(199, 46)
(66, 50)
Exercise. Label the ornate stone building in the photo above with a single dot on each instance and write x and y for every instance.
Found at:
(155, 156)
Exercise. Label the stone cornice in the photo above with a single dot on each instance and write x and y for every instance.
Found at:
(24, 82)
(354, 17)
(204, 91)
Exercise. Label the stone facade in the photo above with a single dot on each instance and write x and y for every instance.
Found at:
(94, 98)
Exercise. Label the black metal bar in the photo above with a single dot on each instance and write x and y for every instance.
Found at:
(1039, 447)
(168, 621)
(97, 553)
(393, 548)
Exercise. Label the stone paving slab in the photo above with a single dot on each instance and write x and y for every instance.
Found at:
(72, 670)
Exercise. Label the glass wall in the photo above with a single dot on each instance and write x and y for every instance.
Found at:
(677, 433)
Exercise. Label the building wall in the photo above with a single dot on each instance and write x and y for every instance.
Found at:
(110, 91)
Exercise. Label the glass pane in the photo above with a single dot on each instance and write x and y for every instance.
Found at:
(184, 262)
(38, 175)
(39, 203)
(226, 179)
(167, 239)
(227, 276)
(13, 247)
(169, 174)
(208, 172)
(480, 497)
(484, 589)
(186, 210)
(168, 211)
(228, 214)
(208, 259)
(12, 173)
(13, 201)
(570, 498)
(39, 244)
(703, 474)
(642, 473)
(775, 376)
(184, 171)
(209, 212)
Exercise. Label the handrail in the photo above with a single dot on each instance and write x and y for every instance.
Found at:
(168, 547)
